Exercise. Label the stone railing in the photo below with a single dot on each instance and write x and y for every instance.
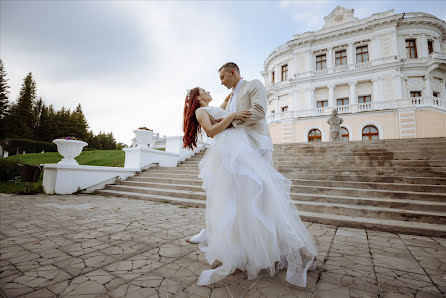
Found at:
(363, 65)
(427, 101)
(341, 68)
(320, 72)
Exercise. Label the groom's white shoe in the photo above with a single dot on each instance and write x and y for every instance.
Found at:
(198, 238)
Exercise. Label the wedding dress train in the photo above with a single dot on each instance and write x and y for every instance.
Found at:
(251, 222)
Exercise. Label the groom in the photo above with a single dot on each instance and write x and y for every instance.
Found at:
(246, 95)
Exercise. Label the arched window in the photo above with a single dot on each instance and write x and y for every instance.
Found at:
(370, 132)
(344, 134)
(314, 135)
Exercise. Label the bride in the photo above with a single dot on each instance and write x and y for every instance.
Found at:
(251, 222)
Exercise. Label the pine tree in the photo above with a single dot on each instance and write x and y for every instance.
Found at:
(4, 102)
(22, 113)
(80, 123)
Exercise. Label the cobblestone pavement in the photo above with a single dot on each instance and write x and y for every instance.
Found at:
(94, 246)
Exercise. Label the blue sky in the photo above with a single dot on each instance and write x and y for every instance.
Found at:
(129, 63)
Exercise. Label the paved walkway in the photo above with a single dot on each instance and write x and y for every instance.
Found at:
(94, 246)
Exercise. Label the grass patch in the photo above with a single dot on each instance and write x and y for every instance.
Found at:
(107, 158)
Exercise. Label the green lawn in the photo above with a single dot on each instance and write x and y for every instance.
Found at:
(109, 158)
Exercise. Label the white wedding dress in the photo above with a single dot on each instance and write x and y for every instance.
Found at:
(251, 222)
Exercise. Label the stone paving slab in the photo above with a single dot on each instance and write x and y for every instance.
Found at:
(95, 246)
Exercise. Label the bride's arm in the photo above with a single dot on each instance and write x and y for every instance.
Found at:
(225, 102)
(212, 130)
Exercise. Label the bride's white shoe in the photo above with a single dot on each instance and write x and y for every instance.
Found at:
(198, 238)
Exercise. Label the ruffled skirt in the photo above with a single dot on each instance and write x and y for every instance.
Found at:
(251, 222)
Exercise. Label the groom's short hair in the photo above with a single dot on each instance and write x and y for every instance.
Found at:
(228, 66)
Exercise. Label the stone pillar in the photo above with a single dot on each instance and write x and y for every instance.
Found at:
(423, 46)
(427, 86)
(443, 88)
(278, 110)
(437, 45)
(397, 87)
(351, 57)
(331, 97)
(312, 102)
(395, 45)
(404, 87)
(376, 48)
(353, 99)
(295, 66)
(376, 96)
(330, 59)
(294, 101)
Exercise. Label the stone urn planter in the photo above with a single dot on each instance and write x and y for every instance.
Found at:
(69, 149)
(143, 137)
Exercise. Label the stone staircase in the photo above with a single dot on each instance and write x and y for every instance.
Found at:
(387, 185)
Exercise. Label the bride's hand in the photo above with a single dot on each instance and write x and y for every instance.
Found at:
(241, 115)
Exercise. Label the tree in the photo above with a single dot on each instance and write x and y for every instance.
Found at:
(80, 123)
(4, 102)
(22, 118)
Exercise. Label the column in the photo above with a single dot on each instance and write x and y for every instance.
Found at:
(330, 59)
(331, 97)
(353, 99)
(397, 87)
(312, 103)
(437, 46)
(376, 48)
(376, 96)
(395, 45)
(295, 66)
(423, 46)
(351, 57)
(294, 101)
(427, 86)
(443, 89)
(278, 110)
(404, 87)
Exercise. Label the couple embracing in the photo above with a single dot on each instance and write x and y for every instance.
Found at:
(251, 221)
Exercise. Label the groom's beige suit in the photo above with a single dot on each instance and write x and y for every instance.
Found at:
(252, 96)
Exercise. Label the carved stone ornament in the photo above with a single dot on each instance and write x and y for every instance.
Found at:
(339, 16)
(335, 126)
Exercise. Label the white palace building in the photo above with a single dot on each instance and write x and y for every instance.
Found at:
(385, 75)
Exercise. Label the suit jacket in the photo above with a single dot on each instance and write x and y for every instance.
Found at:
(252, 97)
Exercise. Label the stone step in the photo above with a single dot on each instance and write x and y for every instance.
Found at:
(389, 225)
(340, 162)
(309, 182)
(369, 193)
(420, 172)
(422, 204)
(313, 205)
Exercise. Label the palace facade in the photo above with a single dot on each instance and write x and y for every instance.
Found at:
(385, 75)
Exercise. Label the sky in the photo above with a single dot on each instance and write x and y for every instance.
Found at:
(129, 63)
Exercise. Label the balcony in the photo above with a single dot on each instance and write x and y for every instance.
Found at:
(341, 68)
(363, 65)
(427, 101)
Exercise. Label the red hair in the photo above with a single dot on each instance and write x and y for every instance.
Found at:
(191, 126)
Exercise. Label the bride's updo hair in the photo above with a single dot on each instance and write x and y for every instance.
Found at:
(191, 126)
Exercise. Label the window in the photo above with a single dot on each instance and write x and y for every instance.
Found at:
(322, 103)
(364, 99)
(435, 94)
(273, 77)
(411, 49)
(415, 93)
(370, 132)
(344, 134)
(430, 46)
(284, 72)
(362, 54)
(341, 58)
(321, 62)
(342, 101)
(285, 108)
(314, 135)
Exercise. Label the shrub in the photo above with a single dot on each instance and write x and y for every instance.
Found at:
(8, 169)
(30, 146)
